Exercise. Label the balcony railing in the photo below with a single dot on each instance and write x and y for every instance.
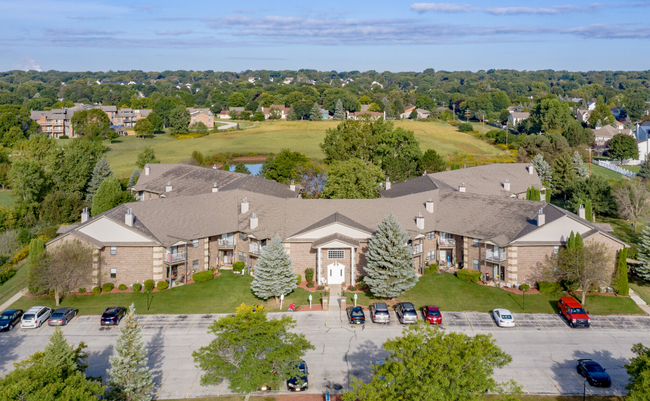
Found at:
(256, 249)
(446, 242)
(175, 257)
(226, 242)
(417, 249)
(492, 256)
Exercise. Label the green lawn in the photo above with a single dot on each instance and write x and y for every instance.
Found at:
(602, 171)
(634, 169)
(220, 295)
(641, 287)
(557, 398)
(272, 137)
(5, 198)
(453, 294)
(14, 284)
(623, 229)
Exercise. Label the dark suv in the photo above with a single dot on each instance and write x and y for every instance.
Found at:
(406, 313)
(356, 315)
(113, 315)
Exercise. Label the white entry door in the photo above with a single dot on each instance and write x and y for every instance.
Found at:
(335, 273)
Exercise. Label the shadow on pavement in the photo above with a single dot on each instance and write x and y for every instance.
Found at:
(359, 362)
(568, 381)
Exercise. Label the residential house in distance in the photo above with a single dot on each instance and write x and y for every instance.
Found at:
(407, 112)
(583, 115)
(606, 133)
(422, 113)
(192, 218)
(516, 117)
(372, 115)
(203, 115)
(225, 114)
(280, 107)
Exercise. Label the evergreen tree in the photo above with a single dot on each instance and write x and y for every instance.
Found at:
(644, 171)
(579, 167)
(533, 193)
(291, 115)
(339, 113)
(621, 285)
(134, 178)
(108, 196)
(643, 270)
(59, 354)
(570, 243)
(241, 168)
(432, 162)
(563, 174)
(388, 108)
(589, 212)
(315, 113)
(274, 274)
(130, 378)
(547, 193)
(36, 250)
(543, 169)
(578, 241)
(389, 261)
(101, 171)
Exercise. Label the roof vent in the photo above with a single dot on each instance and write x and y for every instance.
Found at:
(461, 188)
(147, 169)
(531, 169)
(254, 221)
(214, 187)
(429, 205)
(388, 183)
(84, 215)
(168, 188)
(419, 221)
(244, 205)
(129, 218)
(506, 185)
(292, 186)
(541, 218)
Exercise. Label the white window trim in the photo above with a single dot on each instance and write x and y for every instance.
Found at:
(333, 253)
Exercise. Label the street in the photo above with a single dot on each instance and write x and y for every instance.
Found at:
(544, 349)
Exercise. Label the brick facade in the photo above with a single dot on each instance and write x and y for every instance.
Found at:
(131, 264)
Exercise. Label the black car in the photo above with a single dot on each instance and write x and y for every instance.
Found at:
(594, 373)
(356, 315)
(113, 315)
(10, 319)
(299, 382)
(62, 316)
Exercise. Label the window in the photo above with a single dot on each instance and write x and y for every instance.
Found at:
(556, 249)
(475, 242)
(195, 243)
(242, 256)
(113, 250)
(195, 264)
(335, 254)
(431, 235)
(431, 255)
(113, 273)
(475, 264)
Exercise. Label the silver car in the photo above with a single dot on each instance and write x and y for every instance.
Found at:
(406, 313)
(379, 313)
(35, 317)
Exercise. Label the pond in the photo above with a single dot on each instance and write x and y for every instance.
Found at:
(254, 168)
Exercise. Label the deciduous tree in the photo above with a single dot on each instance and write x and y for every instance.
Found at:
(179, 119)
(147, 156)
(109, 195)
(353, 179)
(639, 371)
(632, 199)
(274, 274)
(286, 166)
(93, 123)
(623, 147)
(143, 127)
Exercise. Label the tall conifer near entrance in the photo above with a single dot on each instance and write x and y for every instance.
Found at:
(389, 269)
(101, 171)
(274, 274)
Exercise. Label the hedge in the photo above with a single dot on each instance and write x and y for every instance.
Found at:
(121, 287)
(362, 286)
(108, 287)
(162, 285)
(6, 272)
(549, 286)
(82, 290)
(471, 276)
(524, 287)
(309, 274)
(310, 284)
(137, 287)
(149, 284)
(238, 266)
(298, 279)
(97, 290)
(202, 277)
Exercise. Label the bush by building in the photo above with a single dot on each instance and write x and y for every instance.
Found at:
(202, 277)
(137, 287)
(471, 276)
(108, 287)
(162, 285)
(97, 290)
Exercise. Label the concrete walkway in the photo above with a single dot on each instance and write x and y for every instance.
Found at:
(13, 299)
(335, 297)
(636, 298)
(227, 126)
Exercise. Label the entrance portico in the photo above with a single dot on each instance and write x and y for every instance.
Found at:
(339, 254)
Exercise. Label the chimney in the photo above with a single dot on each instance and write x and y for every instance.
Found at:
(147, 169)
(461, 188)
(541, 218)
(531, 169)
(214, 187)
(581, 211)
(254, 221)
(429, 205)
(84, 215)
(244, 205)
(292, 186)
(388, 183)
(129, 218)
(506, 185)
(214, 166)
(419, 221)
(168, 188)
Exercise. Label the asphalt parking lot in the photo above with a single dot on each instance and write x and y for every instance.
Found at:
(544, 348)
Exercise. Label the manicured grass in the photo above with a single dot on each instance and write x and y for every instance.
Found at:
(634, 169)
(623, 229)
(220, 295)
(453, 294)
(5, 198)
(602, 171)
(272, 137)
(14, 284)
(641, 287)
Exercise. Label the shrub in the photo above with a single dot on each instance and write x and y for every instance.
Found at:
(549, 286)
(524, 287)
(361, 286)
(64, 137)
(310, 284)
(122, 287)
(137, 287)
(20, 255)
(309, 274)
(427, 270)
(298, 279)
(238, 266)
(471, 276)
(24, 236)
(107, 287)
(97, 290)
(148, 285)
(7, 272)
(82, 290)
(465, 127)
(162, 285)
(433, 267)
(352, 288)
(202, 277)
(320, 287)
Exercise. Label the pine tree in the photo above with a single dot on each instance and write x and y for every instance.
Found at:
(130, 378)
(291, 115)
(644, 171)
(578, 243)
(563, 174)
(134, 178)
(534, 194)
(589, 212)
(339, 113)
(59, 354)
(621, 285)
(101, 171)
(108, 196)
(389, 261)
(274, 274)
(36, 250)
(543, 169)
(643, 270)
(547, 193)
(315, 113)
(581, 170)
(570, 243)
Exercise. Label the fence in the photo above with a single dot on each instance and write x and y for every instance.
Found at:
(610, 166)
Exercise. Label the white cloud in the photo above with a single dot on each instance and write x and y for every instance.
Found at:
(79, 32)
(28, 64)
(553, 10)
(175, 33)
(443, 7)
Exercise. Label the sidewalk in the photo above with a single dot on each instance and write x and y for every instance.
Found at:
(13, 299)
(637, 299)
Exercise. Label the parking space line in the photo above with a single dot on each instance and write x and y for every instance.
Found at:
(443, 320)
(313, 381)
(93, 326)
(612, 323)
(517, 326)
(161, 385)
(540, 322)
(581, 381)
(195, 316)
(522, 382)
(628, 318)
(494, 325)
(470, 325)
(551, 381)
(220, 388)
(193, 381)
(170, 320)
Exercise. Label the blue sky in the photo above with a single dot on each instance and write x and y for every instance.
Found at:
(333, 35)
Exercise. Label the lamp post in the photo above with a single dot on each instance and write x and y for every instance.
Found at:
(148, 299)
(584, 388)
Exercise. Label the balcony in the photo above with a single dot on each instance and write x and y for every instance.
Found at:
(226, 242)
(497, 257)
(256, 249)
(446, 242)
(175, 257)
(417, 249)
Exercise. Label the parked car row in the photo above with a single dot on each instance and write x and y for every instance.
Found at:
(36, 316)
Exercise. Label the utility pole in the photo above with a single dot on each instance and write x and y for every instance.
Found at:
(589, 161)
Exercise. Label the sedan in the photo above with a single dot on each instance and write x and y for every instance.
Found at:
(503, 317)
(113, 315)
(10, 319)
(356, 315)
(594, 373)
(62, 316)
(432, 314)
(299, 382)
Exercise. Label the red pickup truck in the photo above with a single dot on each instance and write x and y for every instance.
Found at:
(573, 312)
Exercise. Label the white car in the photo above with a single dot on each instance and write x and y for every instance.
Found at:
(503, 317)
(35, 317)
